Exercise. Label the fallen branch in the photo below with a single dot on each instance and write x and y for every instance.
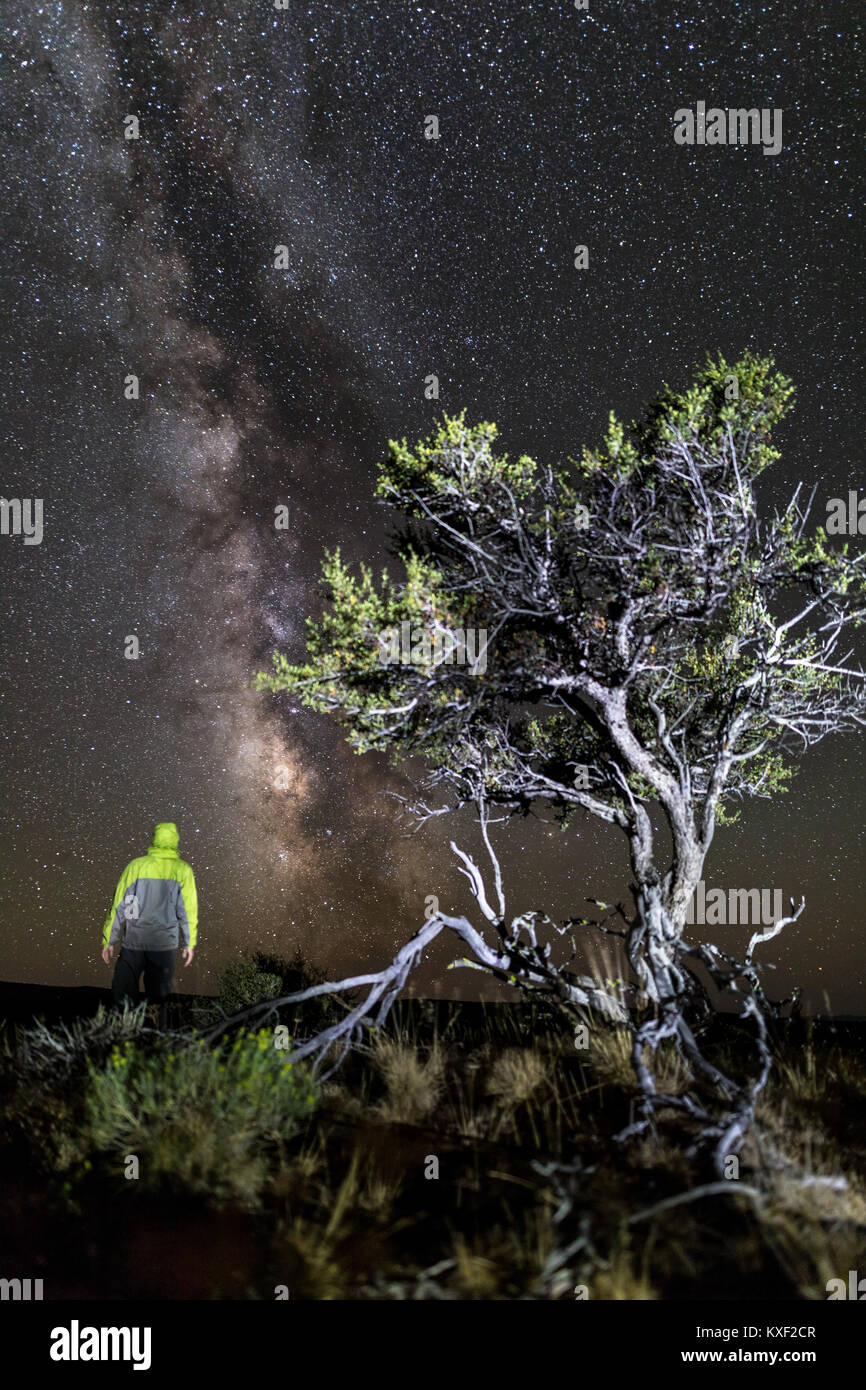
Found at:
(524, 965)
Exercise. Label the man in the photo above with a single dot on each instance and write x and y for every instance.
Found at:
(155, 904)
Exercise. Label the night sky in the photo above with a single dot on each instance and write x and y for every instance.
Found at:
(305, 127)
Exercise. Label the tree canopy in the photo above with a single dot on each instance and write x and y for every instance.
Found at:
(647, 637)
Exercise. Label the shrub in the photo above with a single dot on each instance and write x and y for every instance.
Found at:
(243, 983)
(45, 1074)
(296, 975)
(249, 980)
(200, 1117)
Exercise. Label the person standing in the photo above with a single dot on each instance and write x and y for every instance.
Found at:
(155, 910)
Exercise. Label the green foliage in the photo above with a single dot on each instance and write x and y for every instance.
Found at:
(455, 459)
(242, 983)
(703, 414)
(250, 980)
(345, 672)
(296, 974)
(658, 523)
(199, 1117)
(617, 458)
(340, 1214)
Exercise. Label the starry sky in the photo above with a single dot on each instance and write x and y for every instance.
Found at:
(259, 386)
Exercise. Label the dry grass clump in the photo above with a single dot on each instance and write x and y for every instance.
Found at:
(609, 1055)
(413, 1084)
(517, 1076)
(620, 1279)
(520, 1083)
(475, 1274)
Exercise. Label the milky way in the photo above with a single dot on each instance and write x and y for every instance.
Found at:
(259, 387)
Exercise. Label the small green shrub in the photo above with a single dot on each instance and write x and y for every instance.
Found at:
(200, 1117)
(296, 974)
(243, 983)
(249, 980)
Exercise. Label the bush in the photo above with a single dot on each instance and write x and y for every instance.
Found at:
(44, 1075)
(296, 975)
(199, 1117)
(249, 980)
(243, 983)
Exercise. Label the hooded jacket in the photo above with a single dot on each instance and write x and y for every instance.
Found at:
(155, 906)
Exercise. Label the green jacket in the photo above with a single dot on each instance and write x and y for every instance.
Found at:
(155, 906)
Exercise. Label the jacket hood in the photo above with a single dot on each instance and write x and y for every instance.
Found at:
(165, 838)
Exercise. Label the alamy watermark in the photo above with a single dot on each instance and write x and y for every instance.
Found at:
(20, 1290)
(77, 1343)
(748, 907)
(846, 519)
(729, 126)
(855, 1288)
(408, 646)
(22, 516)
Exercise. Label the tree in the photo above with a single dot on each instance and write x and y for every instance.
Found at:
(621, 635)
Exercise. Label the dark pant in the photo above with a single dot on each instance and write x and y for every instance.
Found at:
(158, 967)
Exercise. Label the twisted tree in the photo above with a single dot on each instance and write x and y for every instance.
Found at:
(622, 636)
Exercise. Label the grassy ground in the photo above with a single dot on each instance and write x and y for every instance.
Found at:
(135, 1165)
